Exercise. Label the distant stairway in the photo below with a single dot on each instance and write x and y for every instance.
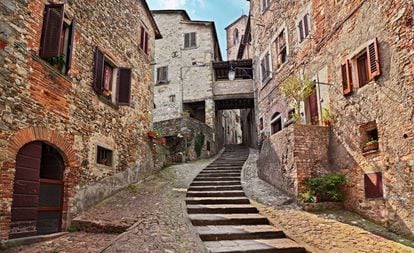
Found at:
(223, 216)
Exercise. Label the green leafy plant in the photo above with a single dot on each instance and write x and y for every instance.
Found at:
(297, 90)
(325, 188)
(326, 116)
(199, 143)
(370, 142)
(72, 228)
(308, 197)
(58, 61)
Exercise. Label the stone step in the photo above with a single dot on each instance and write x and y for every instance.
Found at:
(215, 194)
(220, 175)
(228, 219)
(216, 188)
(281, 245)
(228, 208)
(217, 183)
(198, 178)
(217, 200)
(219, 233)
(222, 170)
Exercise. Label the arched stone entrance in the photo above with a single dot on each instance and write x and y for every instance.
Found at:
(38, 191)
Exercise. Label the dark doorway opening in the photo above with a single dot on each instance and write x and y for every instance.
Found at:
(38, 191)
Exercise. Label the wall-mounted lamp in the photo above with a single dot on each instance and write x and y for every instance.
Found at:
(232, 72)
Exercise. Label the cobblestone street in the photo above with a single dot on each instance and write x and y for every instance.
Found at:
(153, 217)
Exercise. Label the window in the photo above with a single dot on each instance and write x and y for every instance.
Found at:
(162, 75)
(144, 40)
(111, 82)
(172, 98)
(265, 68)
(208, 146)
(276, 123)
(373, 185)
(190, 40)
(103, 156)
(57, 40)
(363, 68)
(281, 47)
(235, 36)
(369, 137)
(265, 5)
(304, 27)
(261, 125)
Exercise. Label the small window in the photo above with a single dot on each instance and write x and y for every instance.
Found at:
(265, 5)
(172, 98)
(235, 36)
(276, 123)
(369, 137)
(265, 68)
(281, 47)
(208, 146)
(190, 40)
(111, 82)
(261, 125)
(57, 39)
(373, 185)
(162, 75)
(144, 40)
(304, 27)
(104, 156)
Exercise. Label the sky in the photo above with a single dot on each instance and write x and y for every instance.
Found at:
(222, 12)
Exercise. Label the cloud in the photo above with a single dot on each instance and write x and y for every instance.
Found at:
(167, 4)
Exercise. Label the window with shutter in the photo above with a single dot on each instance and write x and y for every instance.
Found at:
(265, 68)
(281, 47)
(373, 185)
(57, 39)
(304, 27)
(144, 40)
(301, 33)
(374, 69)
(346, 73)
(98, 71)
(124, 86)
(162, 75)
(190, 40)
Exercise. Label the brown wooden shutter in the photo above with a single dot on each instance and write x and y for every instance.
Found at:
(146, 42)
(301, 35)
(373, 185)
(374, 68)
(141, 44)
(193, 40)
(186, 40)
(306, 25)
(98, 72)
(50, 41)
(70, 45)
(124, 86)
(346, 70)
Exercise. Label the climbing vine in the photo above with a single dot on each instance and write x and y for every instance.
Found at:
(199, 143)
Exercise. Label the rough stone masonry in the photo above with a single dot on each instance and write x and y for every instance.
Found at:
(40, 102)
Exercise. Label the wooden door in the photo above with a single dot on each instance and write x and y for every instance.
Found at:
(51, 191)
(313, 108)
(26, 191)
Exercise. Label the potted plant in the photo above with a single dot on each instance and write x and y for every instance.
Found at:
(107, 94)
(58, 62)
(326, 117)
(370, 145)
(152, 134)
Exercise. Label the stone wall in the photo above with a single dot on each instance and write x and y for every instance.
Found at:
(39, 103)
(293, 154)
(233, 43)
(185, 130)
(340, 30)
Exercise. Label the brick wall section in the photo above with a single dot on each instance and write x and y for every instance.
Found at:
(65, 108)
(293, 154)
(339, 30)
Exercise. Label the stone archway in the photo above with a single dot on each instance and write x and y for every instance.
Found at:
(52, 138)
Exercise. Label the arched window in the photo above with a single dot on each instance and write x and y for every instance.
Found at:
(235, 36)
(276, 124)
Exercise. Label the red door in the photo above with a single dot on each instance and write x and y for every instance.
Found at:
(26, 191)
(313, 108)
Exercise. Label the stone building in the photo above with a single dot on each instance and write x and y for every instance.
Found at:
(75, 104)
(360, 55)
(238, 48)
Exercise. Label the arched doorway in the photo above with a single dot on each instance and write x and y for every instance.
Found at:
(38, 191)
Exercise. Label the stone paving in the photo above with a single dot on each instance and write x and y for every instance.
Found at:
(322, 232)
(154, 208)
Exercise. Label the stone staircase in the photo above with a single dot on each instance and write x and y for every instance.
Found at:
(223, 216)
